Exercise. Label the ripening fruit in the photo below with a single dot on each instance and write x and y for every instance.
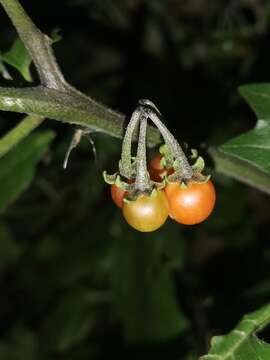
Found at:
(147, 213)
(118, 194)
(193, 204)
(156, 170)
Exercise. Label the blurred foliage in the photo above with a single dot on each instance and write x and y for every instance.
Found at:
(76, 282)
(19, 58)
(253, 146)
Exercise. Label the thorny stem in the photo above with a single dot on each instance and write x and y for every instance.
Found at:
(142, 176)
(125, 165)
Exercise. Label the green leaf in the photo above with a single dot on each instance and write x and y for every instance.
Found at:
(254, 146)
(18, 166)
(242, 343)
(18, 133)
(144, 292)
(246, 157)
(72, 319)
(19, 58)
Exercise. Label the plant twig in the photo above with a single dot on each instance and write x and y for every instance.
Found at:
(125, 165)
(55, 98)
(142, 177)
(70, 108)
(19, 132)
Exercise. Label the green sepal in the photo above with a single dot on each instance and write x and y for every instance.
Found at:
(160, 185)
(121, 183)
(175, 165)
(164, 149)
(194, 153)
(127, 200)
(163, 162)
(153, 193)
(199, 165)
(109, 179)
(115, 179)
(200, 178)
(174, 177)
(183, 185)
(134, 193)
(168, 156)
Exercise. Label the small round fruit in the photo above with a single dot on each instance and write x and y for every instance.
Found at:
(192, 204)
(147, 213)
(118, 194)
(156, 170)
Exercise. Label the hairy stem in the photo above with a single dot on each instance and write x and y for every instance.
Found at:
(70, 108)
(55, 98)
(182, 167)
(142, 176)
(125, 165)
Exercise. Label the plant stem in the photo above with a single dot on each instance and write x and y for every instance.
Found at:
(19, 132)
(125, 165)
(69, 108)
(56, 99)
(142, 176)
(182, 167)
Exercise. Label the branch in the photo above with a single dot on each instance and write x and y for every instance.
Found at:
(55, 98)
(18, 133)
(71, 108)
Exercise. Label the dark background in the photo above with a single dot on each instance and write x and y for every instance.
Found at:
(58, 273)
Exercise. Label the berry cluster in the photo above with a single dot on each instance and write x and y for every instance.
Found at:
(169, 186)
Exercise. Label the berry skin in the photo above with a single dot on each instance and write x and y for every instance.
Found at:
(118, 195)
(156, 170)
(147, 213)
(192, 204)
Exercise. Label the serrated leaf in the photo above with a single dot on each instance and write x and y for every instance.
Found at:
(18, 166)
(19, 58)
(242, 342)
(252, 148)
